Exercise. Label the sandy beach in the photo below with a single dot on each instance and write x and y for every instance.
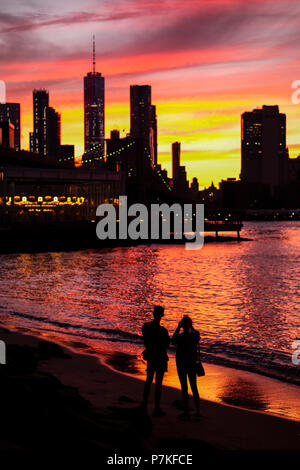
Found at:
(221, 427)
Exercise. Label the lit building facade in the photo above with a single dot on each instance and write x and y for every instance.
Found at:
(94, 115)
(38, 137)
(263, 145)
(45, 138)
(55, 195)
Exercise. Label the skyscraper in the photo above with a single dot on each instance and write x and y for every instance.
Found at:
(263, 142)
(40, 103)
(153, 123)
(180, 182)
(11, 112)
(94, 112)
(115, 134)
(67, 153)
(7, 132)
(175, 159)
(52, 132)
(143, 123)
(45, 138)
(195, 189)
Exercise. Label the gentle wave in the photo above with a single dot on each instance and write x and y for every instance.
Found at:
(243, 297)
(274, 364)
(71, 326)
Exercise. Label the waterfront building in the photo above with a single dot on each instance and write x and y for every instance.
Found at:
(33, 189)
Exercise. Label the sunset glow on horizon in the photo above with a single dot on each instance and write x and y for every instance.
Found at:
(207, 61)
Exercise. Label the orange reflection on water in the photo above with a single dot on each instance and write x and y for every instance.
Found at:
(243, 298)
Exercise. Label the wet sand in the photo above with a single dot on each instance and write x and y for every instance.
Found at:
(221, 426)
(223, 385)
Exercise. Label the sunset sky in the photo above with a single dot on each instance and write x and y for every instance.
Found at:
(207, 61)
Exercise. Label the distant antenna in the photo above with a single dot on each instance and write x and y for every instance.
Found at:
(94, 56)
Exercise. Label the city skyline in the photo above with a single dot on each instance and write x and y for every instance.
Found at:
(200, 86)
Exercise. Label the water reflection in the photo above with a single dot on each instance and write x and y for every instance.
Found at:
(122, 362)
(243, 297)
(243, 393)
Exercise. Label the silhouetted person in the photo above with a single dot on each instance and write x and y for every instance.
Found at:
(156, 340)
(186, 358)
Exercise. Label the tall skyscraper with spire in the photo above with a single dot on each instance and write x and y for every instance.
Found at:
(94, 114)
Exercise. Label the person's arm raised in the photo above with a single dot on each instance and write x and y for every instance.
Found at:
(176, 334)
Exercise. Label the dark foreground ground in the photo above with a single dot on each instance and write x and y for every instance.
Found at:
(42, 411)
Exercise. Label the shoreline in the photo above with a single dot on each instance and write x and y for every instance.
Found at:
(225, 384)
(104, 387)
(227, 363)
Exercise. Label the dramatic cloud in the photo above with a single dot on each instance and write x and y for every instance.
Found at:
(207, 61)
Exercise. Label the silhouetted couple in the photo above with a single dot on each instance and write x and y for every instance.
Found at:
(157, 341)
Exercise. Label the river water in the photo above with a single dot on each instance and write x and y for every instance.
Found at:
(243, 297)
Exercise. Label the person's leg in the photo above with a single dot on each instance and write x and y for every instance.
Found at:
(158, 387)
(193, 383)
(182, 375)
(148, 383)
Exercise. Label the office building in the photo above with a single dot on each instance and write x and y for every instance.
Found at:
(52, 132)
(143, 123)
(264, 152)
(175, 159)
(115, 134)
(45, 138)
(94, 114)
(11, 112)
(67, 152)
(40, 104)
(153, 123)
(195, 189)
(7, 134)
